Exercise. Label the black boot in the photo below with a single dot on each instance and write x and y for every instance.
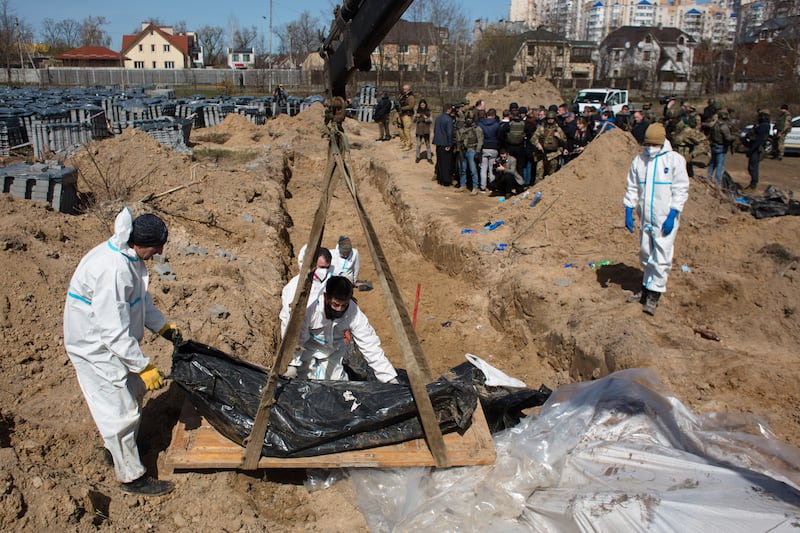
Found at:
(148, 486)
(651, 302)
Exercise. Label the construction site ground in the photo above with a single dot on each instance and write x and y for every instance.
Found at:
(536, 309)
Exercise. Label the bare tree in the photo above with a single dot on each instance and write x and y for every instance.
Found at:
(62, 35)
(301, 36)
(494, 52)
(92, 33)
(13, 32)
(213, 42)
(244, 38)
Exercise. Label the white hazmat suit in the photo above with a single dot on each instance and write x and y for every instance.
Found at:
(287, 294)
(106, 311)
(348, 267)
(657, 184)
(322, 344)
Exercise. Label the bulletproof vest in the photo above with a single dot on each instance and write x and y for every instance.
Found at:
(716, 136)
(780, 124)
(469, 137)
(691, 120)
(550, 142)
(516, 133)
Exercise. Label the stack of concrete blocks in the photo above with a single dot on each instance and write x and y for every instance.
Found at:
(126, 112)
(12, 132)
(49, 182)
(366, 103)
(171, 132)
(59, 137)
(253, 113)
(195, 111)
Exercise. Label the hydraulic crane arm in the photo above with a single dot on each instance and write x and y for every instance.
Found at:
(357, 29)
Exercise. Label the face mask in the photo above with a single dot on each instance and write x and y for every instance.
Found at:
(331, 313)
(321, 274)
(652, 151)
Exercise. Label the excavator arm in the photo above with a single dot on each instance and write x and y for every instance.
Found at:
(357, 29)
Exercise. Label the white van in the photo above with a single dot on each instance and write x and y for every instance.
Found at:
(598, 97)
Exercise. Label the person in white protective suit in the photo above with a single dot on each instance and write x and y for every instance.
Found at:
(322, 273)
(107, 310)
(345, 260)
(321, 346)
(658, 187)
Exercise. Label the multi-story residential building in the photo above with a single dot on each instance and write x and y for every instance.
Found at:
(410, 47)
(157, 47)
(648, 55)
(715, 20)
(546, 54)
(770, 52)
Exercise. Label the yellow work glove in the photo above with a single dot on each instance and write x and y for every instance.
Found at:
(152, 377)
(171, 333)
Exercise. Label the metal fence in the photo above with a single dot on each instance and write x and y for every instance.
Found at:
(124, 77)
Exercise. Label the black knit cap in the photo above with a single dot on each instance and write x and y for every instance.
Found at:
(148, 230)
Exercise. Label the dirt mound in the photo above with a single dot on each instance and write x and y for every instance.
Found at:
(127, 167)
(529, 94)
(308, 122)
(235, 132)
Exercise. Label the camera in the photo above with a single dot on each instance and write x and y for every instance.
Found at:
(664, 100)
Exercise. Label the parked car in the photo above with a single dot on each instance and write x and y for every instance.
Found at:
(790, 146)
(792, 143)
(743, 139)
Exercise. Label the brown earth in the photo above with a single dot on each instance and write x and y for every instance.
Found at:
(520, 309)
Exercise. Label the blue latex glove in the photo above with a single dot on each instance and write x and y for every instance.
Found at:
(669, 223)
(629, 218)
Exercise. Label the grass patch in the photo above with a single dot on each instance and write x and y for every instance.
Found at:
(218, 155)
(216, 138)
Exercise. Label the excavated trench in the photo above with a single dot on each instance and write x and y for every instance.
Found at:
(520, 318)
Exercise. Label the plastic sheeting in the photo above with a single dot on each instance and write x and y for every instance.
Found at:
(318, 417)
(617, 454)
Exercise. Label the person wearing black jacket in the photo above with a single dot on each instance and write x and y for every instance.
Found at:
(759, 137)
(444, 138)
(381, 115)
(640, 124)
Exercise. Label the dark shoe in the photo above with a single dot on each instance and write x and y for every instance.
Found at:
(651, 302)
(148, 486)
(108, 459)
(417, 161)
(636, 297)
(430, 161)
(752, 186)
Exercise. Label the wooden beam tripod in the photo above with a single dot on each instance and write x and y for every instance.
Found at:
(207, 449)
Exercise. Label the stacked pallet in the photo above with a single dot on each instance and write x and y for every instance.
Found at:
(171, 132)
(51, 183)
(366, 103)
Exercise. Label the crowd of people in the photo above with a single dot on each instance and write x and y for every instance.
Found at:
(503, 152)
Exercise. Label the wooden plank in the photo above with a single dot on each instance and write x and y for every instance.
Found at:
(419, 372)
(196, 445)
(289, 342)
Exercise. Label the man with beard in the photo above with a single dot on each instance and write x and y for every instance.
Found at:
(322, 345)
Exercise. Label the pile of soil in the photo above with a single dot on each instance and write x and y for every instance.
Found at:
(535, 309)
(530, 94)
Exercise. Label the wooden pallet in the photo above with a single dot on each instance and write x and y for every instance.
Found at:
(196, 445)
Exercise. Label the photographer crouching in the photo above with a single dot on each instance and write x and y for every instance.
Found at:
(506, 177)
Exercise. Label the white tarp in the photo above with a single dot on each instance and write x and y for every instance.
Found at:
(617, 454)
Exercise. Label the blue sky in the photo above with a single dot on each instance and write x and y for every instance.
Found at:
(125, 17)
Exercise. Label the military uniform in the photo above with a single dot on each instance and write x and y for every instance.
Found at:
(783, 125)
(407, 104)
(550, 140)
